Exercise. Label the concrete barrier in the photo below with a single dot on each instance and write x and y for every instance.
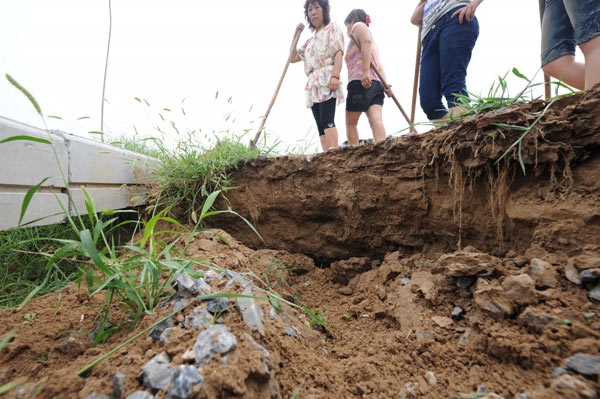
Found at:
(115, 178)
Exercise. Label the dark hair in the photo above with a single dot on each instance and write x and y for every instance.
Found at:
(357, 15)
(324, 4)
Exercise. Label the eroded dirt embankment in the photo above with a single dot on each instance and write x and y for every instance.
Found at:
(434, 192)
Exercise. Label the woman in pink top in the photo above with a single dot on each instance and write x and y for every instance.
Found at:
(365, 91)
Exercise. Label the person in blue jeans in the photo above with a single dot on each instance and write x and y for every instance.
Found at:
(567, 24)
(449, 32)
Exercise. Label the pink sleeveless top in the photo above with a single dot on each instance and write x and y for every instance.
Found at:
(354, 59)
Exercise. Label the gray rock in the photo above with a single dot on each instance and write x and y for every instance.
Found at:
(522, 396)
(291, 332)
(216, 339)
(218, 305)
(465, 282)
(260, 348)
(183, 381)
(273, 314)
(94, 395)
(157, 374)
(251, 312)
(590, 275)
(558, 372)
(595, 293)
(165, 337)
(185, 285)
(201, 318)
(178, 305)
(157, 331)
(584, 364)
(140, 395)
(119, 385)
(188, 286)
(234, 278)
(201, 286)
(405, 281)
(457, 313)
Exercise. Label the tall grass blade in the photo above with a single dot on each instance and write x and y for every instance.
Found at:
(90, 248)
(27, 94)
(11, 334)
(12, 385)
(27, 199)
(34, 292)
(297, 391)
(25, 138)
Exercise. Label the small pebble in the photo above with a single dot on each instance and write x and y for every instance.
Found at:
(558, 372)
(291, 332)
(457, 312)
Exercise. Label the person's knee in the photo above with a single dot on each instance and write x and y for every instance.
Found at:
(553, 68)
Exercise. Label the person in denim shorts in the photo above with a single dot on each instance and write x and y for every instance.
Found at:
(449, 32)
(365, 90)
(565, 25)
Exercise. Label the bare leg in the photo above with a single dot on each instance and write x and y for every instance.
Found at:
(332, 137)
(375, 115)
(591, 52)
(566, 69)
(352, 127)
(324, 142)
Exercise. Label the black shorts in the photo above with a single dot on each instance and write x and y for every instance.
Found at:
(324, 114)
(360, 99)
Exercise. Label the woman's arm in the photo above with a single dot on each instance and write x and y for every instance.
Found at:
(417, 16)
(337, 69)
(361, 34)
(294, 57)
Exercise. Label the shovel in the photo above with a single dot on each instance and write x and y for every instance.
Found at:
(547, 81)
(287, 64)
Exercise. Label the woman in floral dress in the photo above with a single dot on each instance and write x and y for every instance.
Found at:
(322, 55)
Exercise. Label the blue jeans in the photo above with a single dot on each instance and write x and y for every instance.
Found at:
(566, 24)
(446, 55)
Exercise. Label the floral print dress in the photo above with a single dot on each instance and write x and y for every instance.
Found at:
(318, 54)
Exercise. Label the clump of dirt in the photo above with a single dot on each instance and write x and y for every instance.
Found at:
(436, 272)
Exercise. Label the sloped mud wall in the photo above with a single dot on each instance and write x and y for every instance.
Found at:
(434, 192)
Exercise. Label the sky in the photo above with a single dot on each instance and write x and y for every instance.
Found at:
(178, 55)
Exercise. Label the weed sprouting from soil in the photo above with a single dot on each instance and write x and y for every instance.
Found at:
(135, 277)
(19, 381)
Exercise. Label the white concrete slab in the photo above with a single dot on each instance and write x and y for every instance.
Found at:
(107, 198)
(27, 163)
(98, 163)
(41, 205)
